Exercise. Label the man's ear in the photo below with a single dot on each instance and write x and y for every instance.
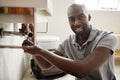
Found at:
(89, 17)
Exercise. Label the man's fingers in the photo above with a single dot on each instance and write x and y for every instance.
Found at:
(26, 42)
(28, 46)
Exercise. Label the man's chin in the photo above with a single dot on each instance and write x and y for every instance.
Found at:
(78, 33)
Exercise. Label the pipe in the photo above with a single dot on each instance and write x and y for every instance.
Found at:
(18, 47)
(10, 32)
(2, 33)
(9, 46)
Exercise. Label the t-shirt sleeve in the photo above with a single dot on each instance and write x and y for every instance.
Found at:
(109, 41)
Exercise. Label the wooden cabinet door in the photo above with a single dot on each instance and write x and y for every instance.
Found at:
(16, 10)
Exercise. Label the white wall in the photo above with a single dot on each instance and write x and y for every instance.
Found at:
(58, 24)
(106, 20)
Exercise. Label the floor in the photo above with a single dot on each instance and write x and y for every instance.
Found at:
(70, 77)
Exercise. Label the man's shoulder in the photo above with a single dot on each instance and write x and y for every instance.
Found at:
(69, 39)
(105, 34)
(102, 32)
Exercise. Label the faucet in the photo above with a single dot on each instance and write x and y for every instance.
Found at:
(3, 33)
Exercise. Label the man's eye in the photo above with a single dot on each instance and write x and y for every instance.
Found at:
(80, 17)
(72, 19)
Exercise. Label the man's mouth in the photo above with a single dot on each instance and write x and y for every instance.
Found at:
(78, 29)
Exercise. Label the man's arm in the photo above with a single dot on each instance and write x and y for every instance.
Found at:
(78, 68)
(43, 63)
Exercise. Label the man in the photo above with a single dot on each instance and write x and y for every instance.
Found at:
(87, 54)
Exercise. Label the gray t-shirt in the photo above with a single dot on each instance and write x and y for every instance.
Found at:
(97, 38)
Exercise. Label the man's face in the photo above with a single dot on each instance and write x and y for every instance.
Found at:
(78, 20)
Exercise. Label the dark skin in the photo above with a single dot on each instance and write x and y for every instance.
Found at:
(80, 26)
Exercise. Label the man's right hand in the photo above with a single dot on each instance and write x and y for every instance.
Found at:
(30, 48)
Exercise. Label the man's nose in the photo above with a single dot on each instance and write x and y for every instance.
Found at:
(77, 22)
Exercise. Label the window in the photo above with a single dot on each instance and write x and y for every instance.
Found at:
(108, 4)
(91, 4)
(100, 4)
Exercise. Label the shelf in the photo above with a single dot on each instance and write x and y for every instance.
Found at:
(22, 11)
(16, 10)
(44, 6)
